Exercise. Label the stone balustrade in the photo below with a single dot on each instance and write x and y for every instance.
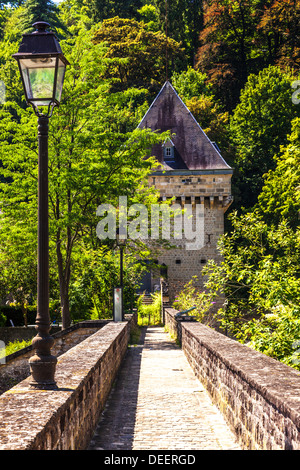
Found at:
(258, 396)
(65, 418)
(15, 367)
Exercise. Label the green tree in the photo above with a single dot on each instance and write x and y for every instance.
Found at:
(103, 9)
(16, 3)
(280, 196)
(191, 83)
(228, 46)
(260, 124)
(259, 275)
(95, 155)
(18, 268)
(276, 334)
(183, 20)
(4, 13)
(150, 16)
(40, 10)
(139, 54)
(96, 273)
(259, 271)
(279, 26)
(9, 74)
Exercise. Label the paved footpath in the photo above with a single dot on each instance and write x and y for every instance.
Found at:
(157, 403)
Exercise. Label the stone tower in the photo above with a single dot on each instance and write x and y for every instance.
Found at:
(193, 172)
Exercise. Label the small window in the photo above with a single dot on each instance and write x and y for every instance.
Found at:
(178, 261)
(168, 149)
(202, 261)
(168, 153)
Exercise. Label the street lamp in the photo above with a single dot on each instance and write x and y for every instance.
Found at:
(42, 67)
(119, 294)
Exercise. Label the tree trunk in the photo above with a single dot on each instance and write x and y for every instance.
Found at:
(64, 277)
(65, 308)
(24, 311)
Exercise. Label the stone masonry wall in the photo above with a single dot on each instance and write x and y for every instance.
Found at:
(65, 418)
(16, 366)
(210, 191)
(258, 396)
(10, 334)
(193, 183)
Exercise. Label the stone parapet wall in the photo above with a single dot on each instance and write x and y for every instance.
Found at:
(192, 183)
(206, 194)
(65, 418)
(16, 366)
(258, 396)
(10, 334)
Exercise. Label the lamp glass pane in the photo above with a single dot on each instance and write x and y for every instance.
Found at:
(60, 80)
(39, 75)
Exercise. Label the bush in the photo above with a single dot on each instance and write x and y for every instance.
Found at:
(275, 334)
(190, 296)
(149, 314)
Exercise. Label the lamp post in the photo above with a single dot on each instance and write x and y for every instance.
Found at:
(121, 242)
(42, 67)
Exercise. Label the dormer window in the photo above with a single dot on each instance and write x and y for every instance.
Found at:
(168, 149)
(168, 152)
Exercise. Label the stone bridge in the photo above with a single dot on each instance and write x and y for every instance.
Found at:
(208, 393)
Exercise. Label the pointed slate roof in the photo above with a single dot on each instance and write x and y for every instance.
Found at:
(193, 149)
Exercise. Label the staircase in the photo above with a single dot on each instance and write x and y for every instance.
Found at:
(147, 299)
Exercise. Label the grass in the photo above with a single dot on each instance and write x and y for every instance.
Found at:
(14, 346)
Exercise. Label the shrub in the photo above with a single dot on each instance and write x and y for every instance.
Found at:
(149, 314)
(14, 346)
(275, 334)
(190, 296)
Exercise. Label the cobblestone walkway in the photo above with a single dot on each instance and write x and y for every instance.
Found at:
(158, 404)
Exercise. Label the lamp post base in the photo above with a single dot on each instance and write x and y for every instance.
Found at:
(42, 371)
(43, 363)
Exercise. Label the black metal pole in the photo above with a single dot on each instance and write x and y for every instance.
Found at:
(43, 364)
(121, 279)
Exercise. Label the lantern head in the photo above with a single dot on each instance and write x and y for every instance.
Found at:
(42, 66)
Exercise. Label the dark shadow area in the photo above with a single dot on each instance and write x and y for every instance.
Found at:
(115, 429)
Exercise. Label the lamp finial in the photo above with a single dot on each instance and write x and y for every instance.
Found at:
(40, 26)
